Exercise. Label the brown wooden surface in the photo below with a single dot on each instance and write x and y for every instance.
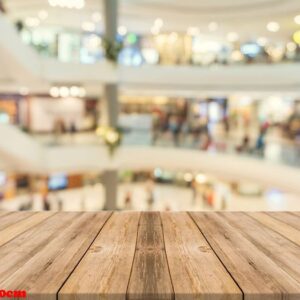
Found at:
(132, 255)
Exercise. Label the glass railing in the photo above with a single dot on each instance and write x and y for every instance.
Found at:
(163, 49)
(274, 150)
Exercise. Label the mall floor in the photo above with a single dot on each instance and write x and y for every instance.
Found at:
(165, 198)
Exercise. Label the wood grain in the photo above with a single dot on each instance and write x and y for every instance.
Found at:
(10, 218)
(281, 227)
(45, 263)
(150, 278)
(268, 241)
(259, 277)
(15, 224)
(288, 218)
(104, 271)
(4, 212)
(195, 270)
(132, 255)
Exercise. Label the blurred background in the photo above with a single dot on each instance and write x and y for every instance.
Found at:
(149, 105)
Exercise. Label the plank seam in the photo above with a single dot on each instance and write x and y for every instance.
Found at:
(235, 281)
(282, 221)
(274, 230)
(134, 255)
(29, 228)
(163, 234)
(83, 255)
(4, 228)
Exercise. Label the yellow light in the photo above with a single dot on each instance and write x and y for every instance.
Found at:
(296, 37)
(100, 131)
(201, 178)
(112, 137)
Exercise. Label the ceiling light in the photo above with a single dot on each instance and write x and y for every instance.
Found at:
(193, 31)
(213, 26)
(88, 26)
(122, 30)
(159, 23)
(96, 17)
(24, 91)
(297, 19)
(64, 92)
(54, 92)
(32, 22)
(262, 41)
(82, 92)
(201, 178)
(78, 4)
(155, 30)
(43, 15)
(273, 26)
(74, 91)
(232, 37)
(188, 177)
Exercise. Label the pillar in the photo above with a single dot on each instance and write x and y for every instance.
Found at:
(110, 104)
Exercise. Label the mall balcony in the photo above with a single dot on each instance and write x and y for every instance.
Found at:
(169, 114)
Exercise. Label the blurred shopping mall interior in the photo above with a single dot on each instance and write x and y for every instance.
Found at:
(150, 105)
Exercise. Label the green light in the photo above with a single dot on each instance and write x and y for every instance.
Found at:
(131, 38)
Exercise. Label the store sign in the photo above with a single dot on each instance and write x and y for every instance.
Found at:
(12, 294)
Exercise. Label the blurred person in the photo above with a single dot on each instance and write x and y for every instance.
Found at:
(150, 193)
(73, 128)
(245, 145)
(260, 142)
(293, 123)
(156, 128)
(2, 9)
(128, 200)
(59, 129)
(194, 191)
(174, 127)
(206, 141)
(46, 204)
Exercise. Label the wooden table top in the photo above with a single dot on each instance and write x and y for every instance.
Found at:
(133, 255)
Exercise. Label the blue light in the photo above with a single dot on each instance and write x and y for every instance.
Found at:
(250, 49)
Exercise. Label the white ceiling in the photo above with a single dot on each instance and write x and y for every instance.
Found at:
(247, 17)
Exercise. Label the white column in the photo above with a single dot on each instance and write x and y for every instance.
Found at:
(110, 104)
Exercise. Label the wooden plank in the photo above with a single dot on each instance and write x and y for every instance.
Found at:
(195, 270)
(268, 241)
(150, 218)
(286, 217)
(42, 265)
(282, 228)
(150, 234)
(10, 218)
(150, 278)
(18, 223)
(259, 277)
(104, 271)
(3, 213)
